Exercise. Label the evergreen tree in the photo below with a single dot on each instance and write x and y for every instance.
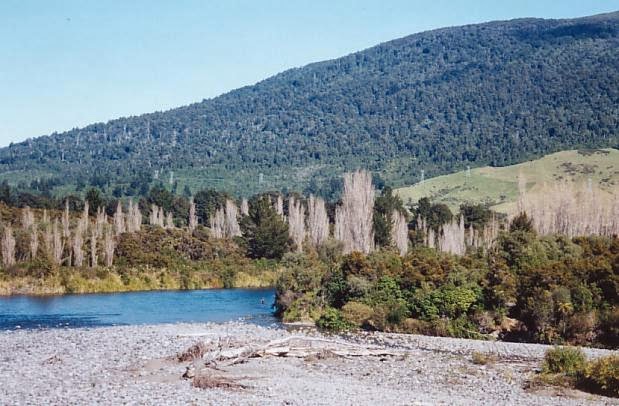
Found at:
(94, 199)
(265, 233)
(384, 206)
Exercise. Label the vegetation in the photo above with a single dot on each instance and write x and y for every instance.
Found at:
(486, 94)
(564, 360)
(68, 259)
(566, 366)
(602, 376)
(526, 287)
(473, 274)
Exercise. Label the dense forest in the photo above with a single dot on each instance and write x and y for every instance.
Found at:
(494, 93)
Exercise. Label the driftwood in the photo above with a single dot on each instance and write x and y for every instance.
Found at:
(207, 359)
(227, 352)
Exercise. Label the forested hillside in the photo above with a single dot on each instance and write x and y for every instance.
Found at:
(488, 94)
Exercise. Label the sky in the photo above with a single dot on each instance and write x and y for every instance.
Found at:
(69, 63)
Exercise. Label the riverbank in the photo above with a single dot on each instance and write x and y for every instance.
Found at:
(137, 364)
(69, 281)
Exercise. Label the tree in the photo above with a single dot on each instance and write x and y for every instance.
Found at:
(475, 215)
(207, 202)
(265, 233)
(353, 218)
(522, 222)
(384, 207)
(296, 222)
(317, 221)
(161, 197)
(434, 215)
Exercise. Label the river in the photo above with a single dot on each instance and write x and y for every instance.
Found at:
(131, 308)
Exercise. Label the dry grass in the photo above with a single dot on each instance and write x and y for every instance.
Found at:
(207, 381)
(480, 358)
(196, 351)
(499, 186)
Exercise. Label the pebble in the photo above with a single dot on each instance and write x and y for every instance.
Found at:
(108, 365)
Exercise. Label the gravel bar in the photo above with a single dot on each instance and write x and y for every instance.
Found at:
(136, 365)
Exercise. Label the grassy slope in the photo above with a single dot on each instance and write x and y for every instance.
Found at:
(498, 187)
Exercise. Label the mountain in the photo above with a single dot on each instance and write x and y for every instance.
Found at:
(496, 93)
(498, 187)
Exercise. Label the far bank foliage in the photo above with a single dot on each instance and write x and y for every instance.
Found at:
(365, 262)
(526, 288)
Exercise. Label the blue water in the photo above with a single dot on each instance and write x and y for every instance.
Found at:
(216, 305)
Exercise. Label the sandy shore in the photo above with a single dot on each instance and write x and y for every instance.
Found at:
(137, 365)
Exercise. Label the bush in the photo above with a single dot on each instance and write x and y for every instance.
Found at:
(481, 358)
(602, 376)
(388, 316)
(357, 313)
(416, 326)
(332, 320)
(609, 327)
(564, 360)
(302, 309)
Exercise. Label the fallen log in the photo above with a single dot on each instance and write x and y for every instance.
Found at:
(223, 354)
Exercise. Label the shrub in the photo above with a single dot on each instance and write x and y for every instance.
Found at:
(480, 358)
(387, 316)
(303, 308)
(41, 267)
(357, 313)
(564, 360)
(416, 326)
(462, 327)
(332, 320)
(602, 376)
(609, 327)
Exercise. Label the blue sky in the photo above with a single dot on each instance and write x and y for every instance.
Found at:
(69, 63)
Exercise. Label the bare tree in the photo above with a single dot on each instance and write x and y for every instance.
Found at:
(48, 239)
(27, 218)
(193, 219)
(452, 239)
(58, 245)
(119, 220)
(244, 207)
(431, 238)
(8, 247)
(317, 221)
(565, 208)
(34, 241)
(218, 223)
(169, 220)
(399, 231)
(296, 222)
(100, 222)
(354, 218)
(161, 217)
(109, 245)
(78, 237)
(224, 222)
(279, 205)
(232, 224)
(134, 218)
(93, 247)
(78, 242)
(156, 216)
(66, 230)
